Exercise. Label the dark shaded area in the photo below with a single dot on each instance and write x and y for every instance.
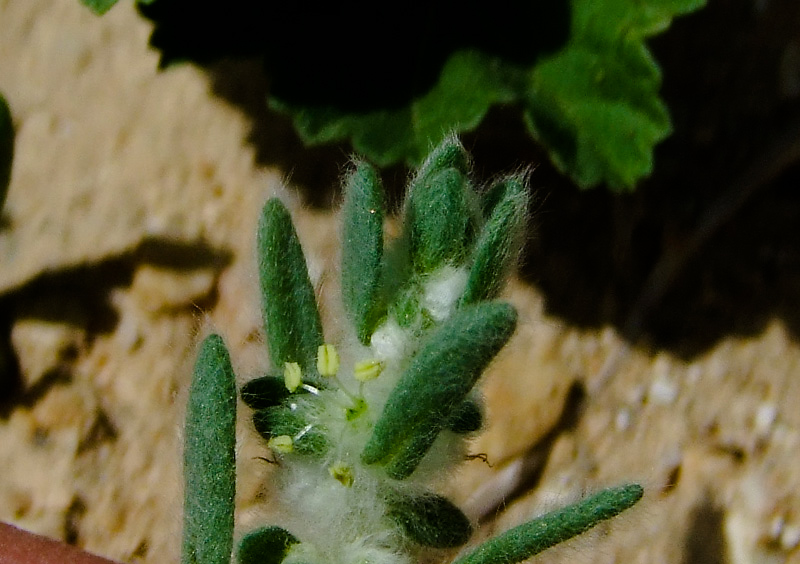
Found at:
(72, 520)
(707, 247)
(535, 460)
(705, 540)
(347, 56)
(81, 297)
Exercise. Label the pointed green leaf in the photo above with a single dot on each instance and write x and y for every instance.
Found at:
(529, 539)
(267, 545)
(210, 458)
(441, 218)
(439, 378)
(362, 250)
(500, 241)
(291, 317)
(430, 520)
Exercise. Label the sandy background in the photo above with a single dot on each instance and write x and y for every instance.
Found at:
(128, 232)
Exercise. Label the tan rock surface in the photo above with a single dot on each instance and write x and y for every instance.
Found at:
(132, 212)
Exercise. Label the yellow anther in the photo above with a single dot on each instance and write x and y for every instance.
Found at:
(327, 360)
(281, 443)
(367, 370)
(292, 376)
(342, 473)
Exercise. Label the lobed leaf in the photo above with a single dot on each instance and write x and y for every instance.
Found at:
(469, 83)
(210, 458)
(362, 250)
(529, 539)
(291, 317)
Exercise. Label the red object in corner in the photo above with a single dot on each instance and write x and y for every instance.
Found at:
(21, 547)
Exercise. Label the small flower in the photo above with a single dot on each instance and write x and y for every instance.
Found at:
(367, 370)
(327, 360)
(292, 376)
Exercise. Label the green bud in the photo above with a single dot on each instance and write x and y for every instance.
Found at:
(267, 545)
(466, 418)
(500, 241)
(281, 420)
(441, 218)
(362, 250)
(267, 391)
(293, 326)
(430, 520)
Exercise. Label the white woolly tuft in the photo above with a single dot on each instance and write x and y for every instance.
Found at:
(442, 290)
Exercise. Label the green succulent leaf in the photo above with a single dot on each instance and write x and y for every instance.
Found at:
(500, 240)
(6, 149)
(440, 217)
(210, 458)
(437, 381)
(267, 545)
(362, 250)
(291, 317)
(430, 520)
(531, 538)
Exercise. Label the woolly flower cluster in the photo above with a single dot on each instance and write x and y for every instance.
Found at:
(361, 429)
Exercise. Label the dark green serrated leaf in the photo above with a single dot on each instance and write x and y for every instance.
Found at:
(438, 379)
(267, 545)
(264, 392)
(529, 539)
(595, 103)
(441, 220)
(469, 84)
(291, 317)
(430, 520)
(362, 250)
(99, 7)
(499, 242)
(210, 458)
(6, 149)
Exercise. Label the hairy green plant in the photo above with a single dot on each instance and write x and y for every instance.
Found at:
(360, 429)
